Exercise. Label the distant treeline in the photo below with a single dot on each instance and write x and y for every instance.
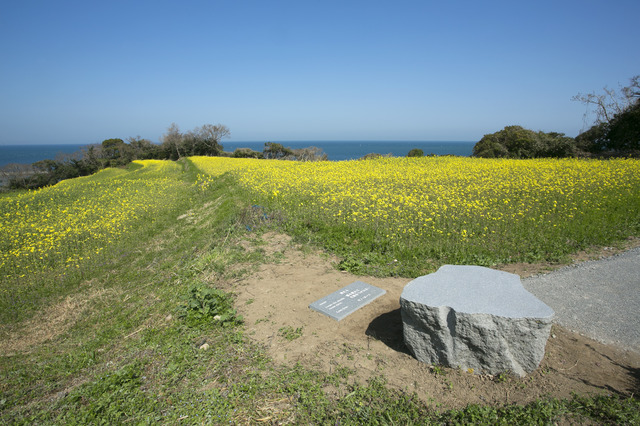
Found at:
(205, 140)
(616, 132)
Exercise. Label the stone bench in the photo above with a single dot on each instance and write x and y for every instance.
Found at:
(477, 318)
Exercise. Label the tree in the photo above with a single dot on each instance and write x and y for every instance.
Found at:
(610, 103)
(50, 172)
(203, 140)
(557, 145)
(15, 175)
(518, 142)
(114, 149)
(247, 153)
(374, 156)
(416, 152)
(276, 151)
(512, 141)
(171, 142)
(311, 153)
(92, 156)
(210, 137)
(143, 149)
(620, 136)
(616, 130)
(624, 131)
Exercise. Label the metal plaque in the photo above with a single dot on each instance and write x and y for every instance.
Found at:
(347, 300)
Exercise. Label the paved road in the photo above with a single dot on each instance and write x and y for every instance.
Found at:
(599, 299)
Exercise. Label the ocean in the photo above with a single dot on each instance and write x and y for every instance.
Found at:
(28, 154)
(335, 150)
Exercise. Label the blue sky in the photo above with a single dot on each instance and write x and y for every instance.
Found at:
(85, 71)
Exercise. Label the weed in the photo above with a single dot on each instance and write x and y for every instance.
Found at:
(502, 377)
(206, 304)
(289, 333)
(438, 370)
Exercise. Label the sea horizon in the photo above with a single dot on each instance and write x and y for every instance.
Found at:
(336, 150)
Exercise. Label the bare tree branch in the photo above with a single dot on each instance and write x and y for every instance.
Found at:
(610, 103)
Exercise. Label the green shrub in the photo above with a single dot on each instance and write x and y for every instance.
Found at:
(247, 153)
(518, 142)
(204, 304)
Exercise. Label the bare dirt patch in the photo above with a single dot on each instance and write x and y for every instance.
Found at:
(274, 302)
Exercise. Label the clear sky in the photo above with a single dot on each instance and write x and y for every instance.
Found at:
(84, 71)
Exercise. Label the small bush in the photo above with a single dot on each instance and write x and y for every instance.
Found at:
(374, 156)
(247, 153)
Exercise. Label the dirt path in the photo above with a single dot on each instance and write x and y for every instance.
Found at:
(274, 302)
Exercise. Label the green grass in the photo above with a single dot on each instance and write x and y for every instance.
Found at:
(141, 344)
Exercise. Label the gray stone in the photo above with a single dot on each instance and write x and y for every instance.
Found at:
(475, 318)
(347, 300)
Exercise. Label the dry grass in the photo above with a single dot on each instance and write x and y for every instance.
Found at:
(51, 322)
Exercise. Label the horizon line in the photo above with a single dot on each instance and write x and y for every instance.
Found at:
(256, 141)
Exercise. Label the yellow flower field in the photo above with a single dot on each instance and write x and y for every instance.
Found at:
(463, 201)
(75, 220)
(422, 210)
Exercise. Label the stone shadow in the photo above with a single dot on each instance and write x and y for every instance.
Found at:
(387, 328)
(633, 372)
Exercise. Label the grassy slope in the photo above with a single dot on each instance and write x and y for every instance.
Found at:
(125, 350)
